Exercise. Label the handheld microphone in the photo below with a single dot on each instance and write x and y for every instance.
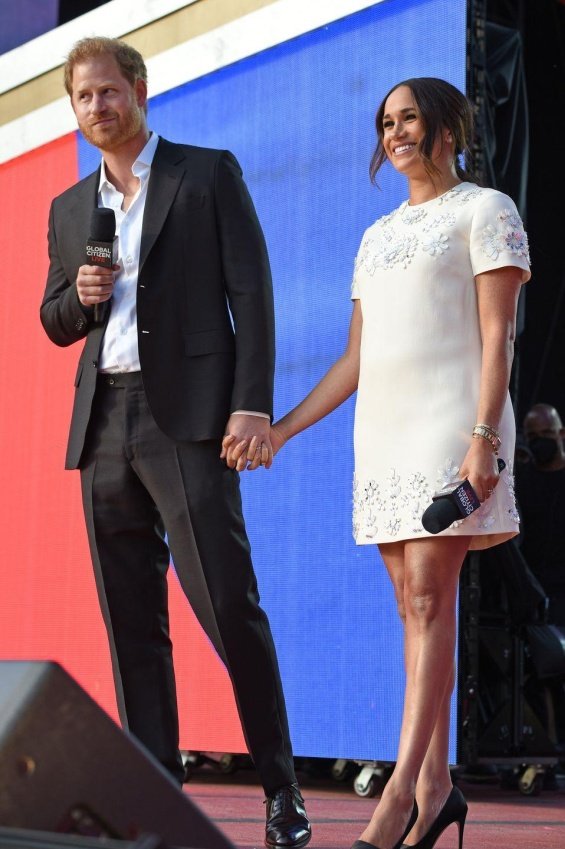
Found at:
(102, 247)
(452, 503)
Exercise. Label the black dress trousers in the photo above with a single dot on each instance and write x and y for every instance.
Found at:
(143, 495)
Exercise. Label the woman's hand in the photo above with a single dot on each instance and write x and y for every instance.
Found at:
(480, 467)
(277, 439)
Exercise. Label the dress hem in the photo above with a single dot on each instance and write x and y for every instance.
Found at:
(479, 541)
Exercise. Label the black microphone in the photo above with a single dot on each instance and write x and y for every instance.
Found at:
(454, 502)
(102, 247)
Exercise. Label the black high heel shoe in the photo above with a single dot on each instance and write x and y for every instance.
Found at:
(454, 810)
(362, 844)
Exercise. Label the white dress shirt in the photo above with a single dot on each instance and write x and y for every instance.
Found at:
(119, 351)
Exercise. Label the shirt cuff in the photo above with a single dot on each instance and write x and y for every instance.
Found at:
(251, 413)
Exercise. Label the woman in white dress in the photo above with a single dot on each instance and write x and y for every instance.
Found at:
(429, 352)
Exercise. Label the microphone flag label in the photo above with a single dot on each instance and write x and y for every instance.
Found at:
(462, 495)
(101, 253)
(466, 498)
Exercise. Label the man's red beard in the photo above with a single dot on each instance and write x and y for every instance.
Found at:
(120, 130)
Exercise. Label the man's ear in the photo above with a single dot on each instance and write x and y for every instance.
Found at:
(140, 88)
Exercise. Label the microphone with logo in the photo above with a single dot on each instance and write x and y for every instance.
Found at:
(455, 502)
(102, 248)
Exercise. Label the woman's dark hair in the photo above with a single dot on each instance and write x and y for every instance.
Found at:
(441, 105)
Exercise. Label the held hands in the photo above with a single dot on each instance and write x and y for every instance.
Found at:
(479, 466)
(95, 284)
(250, 452)
(246, 444)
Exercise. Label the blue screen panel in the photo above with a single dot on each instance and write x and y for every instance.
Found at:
(24, 20)
(300, 119)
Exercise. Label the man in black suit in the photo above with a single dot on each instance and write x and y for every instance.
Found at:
(183, 355)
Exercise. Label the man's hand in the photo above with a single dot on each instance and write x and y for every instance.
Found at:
(246, 443)
(95, 284)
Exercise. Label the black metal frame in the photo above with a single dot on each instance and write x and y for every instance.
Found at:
(475, 72)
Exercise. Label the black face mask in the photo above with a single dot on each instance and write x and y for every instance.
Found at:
(544, 449)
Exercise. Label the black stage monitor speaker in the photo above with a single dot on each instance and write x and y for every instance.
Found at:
(65, 766)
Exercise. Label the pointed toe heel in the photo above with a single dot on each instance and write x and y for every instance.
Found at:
(454, 810)
(362, 844)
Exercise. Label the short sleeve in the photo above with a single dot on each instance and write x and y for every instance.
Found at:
(355, 285)
(497, 236)
(361, 253)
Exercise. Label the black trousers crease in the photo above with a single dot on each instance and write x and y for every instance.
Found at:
(145, 498)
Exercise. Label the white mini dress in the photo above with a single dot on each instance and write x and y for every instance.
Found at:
(421, 362)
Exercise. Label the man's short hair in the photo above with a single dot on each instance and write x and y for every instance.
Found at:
(129, 60)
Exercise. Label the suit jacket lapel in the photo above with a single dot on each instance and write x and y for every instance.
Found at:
(167, 172)
(78, 215)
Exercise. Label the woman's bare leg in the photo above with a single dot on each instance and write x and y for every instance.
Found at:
(434, 781)
(426, 587)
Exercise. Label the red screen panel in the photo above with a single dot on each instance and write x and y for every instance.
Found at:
(48, 604)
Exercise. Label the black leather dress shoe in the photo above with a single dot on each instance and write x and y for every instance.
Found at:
(287, 824)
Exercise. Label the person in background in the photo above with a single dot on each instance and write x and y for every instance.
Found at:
(540, 491)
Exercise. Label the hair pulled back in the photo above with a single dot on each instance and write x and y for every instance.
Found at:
(441, 105)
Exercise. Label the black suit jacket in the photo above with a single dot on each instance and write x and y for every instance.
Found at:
(204, 296)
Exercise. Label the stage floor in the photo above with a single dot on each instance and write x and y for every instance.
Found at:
(497, 819)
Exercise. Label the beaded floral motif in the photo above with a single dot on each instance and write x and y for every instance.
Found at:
(436, 245)
(440, 221)
(369, 497)
(397, 505)
(372, 511)
(447, 474)
(459, 195)
(392, 241)
(387, 219)
(365, 257)
(510, 483)
(394, 249)
(418, 498)
(410, 216)
(507, 234)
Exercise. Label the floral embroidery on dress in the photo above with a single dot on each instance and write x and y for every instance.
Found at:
(362, 252)
(485, 518)
(365, 503)
(393, 481)
(418, 498)
(446, 220)
(436, 245)
(372, 510)
(387, 219)
(365, 258)
(410, 216)
(460, 195)
(393, 525)
(393, 249)
(512, 509)
(399, 506)
(447, 474)
(506, 235)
